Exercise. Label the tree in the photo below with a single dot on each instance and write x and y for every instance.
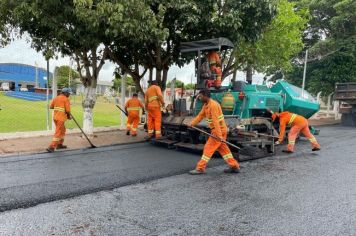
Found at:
(59, 26)
(177, 83)
(155, 44)
(279, 43)
(190, 86)
(66, 77)
(331, 39)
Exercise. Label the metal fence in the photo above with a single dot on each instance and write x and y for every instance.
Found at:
(18, 114)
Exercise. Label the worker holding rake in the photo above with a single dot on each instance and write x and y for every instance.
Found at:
(61, 107)
(212, 112)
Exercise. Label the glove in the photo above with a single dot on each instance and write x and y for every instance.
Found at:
(277, 143)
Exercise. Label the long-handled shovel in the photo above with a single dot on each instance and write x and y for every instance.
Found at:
(75, 121)
(121, 110)
(214, 137)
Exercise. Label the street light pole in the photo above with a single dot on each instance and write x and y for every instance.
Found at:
(47, 94)
(305, 72)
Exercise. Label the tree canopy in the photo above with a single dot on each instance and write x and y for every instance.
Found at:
(331, 39)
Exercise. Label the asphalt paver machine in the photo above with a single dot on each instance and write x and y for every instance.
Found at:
(244, 106)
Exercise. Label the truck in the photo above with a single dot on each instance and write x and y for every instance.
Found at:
(345, 93)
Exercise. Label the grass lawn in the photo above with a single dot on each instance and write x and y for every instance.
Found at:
(20, 115)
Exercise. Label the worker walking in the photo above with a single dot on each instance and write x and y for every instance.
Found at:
(212, 112)
(61, 106)
(215, 67)
(153, 103)
(298, 124)
(132, 108)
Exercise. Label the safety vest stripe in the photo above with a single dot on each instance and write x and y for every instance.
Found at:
(292, 119)
(56, 139)
(212, 62)
(150, 99)
(291, 142)
(205, 158)
(313, 140)
(133, 129)
(158, 132)
(133, 108)
(227, 156)
(61, 109)
(150, 131)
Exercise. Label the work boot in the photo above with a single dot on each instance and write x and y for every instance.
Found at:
(128, 132)
(61, 146)
(50, 149)
(287, 151)
(197, 172)
(232, 170)
(316, 149)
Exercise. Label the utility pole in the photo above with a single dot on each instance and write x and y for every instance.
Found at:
(47, 94)
(305, 72)
(36, 83)
(123, 89)
(54, 89)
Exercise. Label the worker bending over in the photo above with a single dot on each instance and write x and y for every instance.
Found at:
(215, 67)
(153, 103)
(61, 106)
(212, 112)
(298, 124)
(132, 108)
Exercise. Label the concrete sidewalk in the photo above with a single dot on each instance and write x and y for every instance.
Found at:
(38, 144)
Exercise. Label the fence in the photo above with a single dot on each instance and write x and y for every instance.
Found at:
(18, 114)
(329, 108)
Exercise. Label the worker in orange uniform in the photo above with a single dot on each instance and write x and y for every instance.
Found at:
(153, 103)
(132, 108)
(298, 124)
(61, 106)
(212, 112)
(215, 67)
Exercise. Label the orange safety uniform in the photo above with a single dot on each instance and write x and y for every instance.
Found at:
(298, 124)
(61, 106)
(153, 102)
(215, 67)
(133, 107)
(214, 117)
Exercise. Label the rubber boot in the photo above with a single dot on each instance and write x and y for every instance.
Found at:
(61, 146)
(315, 149)
(50, 149)
(128, 132)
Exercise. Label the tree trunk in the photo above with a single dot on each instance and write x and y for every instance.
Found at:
(164, 78)
(88, 105)
(234, 75)
(158, 76)
(151, 75)
(249, 74)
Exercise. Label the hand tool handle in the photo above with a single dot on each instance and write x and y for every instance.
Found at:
(75, 121)
(217, 138)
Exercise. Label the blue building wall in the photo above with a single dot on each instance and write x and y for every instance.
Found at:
(22, 74)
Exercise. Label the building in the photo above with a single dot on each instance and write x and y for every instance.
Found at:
(102, 87)
(23, 76)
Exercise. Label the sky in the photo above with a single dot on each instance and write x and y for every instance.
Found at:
(20, 51)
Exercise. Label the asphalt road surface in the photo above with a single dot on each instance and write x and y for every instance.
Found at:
(29, 180)
(304, 193)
